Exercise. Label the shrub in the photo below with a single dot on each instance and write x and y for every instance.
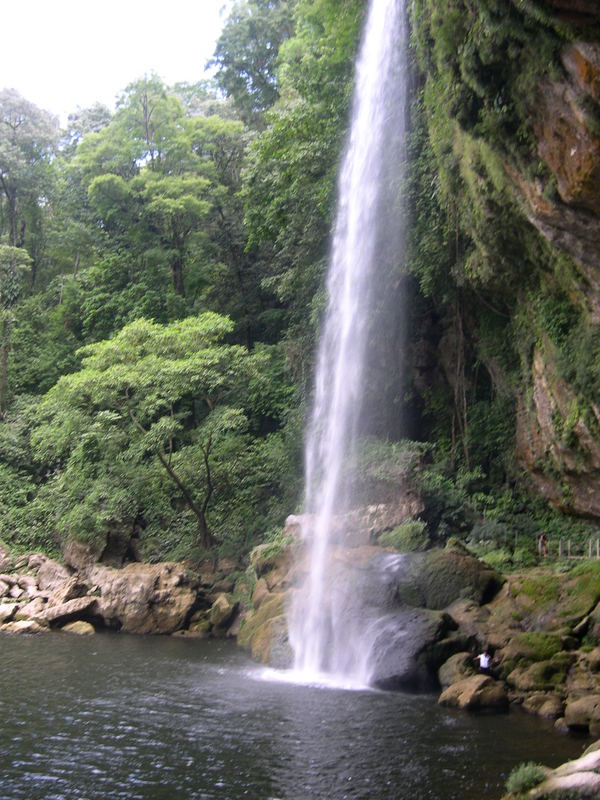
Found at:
(522, 557)
(498, 559)
(525, 777)
(408, 537)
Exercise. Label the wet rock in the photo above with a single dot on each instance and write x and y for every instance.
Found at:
(403, 650)
(561, 725)
(264, 633)
(79, 627)
(362, 525)
(477, 693)
(271, 645)
(234, 625)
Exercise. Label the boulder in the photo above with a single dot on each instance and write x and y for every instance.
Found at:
(36, 560)
(584, 714)
(222, 611)
(31, 609)
(7, 611)
(541, 676)
(547, 706)
(144, 598)
(81, 556)
(271, 645)
(69, 589)
(405, 649)
(582, 785)
(584, 678)
(4, 588)
(455, 669)
(224, 585)
(22, 626)
(58, 615)
(28, 583)
(477, 693)
(51, 575)
(588, 762)
(79, 627)
(264, 633)
(200, 629)
(260, 593)
(438, 578)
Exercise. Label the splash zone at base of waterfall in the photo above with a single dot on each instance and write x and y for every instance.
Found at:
(333, 626)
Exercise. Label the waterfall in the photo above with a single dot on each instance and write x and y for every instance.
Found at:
(328, 632)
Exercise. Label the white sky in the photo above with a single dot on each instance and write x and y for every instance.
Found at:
(61, 54)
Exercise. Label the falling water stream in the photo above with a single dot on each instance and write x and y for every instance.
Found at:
(368, 234)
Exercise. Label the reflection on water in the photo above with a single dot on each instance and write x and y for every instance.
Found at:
(114, 716)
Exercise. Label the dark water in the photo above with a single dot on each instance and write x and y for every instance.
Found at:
(132, 717)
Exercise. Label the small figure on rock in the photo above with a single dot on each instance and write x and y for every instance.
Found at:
(543, 545)
(485, 662)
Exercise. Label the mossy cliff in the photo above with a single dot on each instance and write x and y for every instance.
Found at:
(504, 193)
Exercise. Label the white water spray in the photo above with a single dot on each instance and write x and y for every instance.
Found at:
(327, 631)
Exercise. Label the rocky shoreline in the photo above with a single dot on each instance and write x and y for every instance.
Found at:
(542, 626)
(80, 595)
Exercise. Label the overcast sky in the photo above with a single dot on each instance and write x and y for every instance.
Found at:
(61, 54)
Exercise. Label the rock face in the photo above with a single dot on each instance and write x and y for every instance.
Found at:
(137, 598)
(143, 598)
(578, 463)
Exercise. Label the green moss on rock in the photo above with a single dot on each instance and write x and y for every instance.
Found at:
(408, 537)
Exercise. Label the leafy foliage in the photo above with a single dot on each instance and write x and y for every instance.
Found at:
(525, 777)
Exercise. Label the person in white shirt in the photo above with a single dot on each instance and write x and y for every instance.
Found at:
(485, 662)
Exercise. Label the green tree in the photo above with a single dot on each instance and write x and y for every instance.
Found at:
(28, 138)
(151, 392)
(246, 54)
(14, 262)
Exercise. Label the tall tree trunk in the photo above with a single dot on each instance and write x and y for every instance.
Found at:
(206, 536)
(176, 266)
(4, 352)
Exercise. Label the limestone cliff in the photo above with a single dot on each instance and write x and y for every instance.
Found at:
(510, 98)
